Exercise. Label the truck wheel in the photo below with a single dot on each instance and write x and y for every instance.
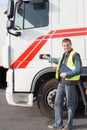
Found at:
(46, 98)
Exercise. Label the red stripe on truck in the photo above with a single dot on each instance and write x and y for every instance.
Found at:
(34, 48)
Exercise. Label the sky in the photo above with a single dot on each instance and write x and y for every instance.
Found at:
(3, 3)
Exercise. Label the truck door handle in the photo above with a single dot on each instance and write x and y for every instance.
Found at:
(41, 56)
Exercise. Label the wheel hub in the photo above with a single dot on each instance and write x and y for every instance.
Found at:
(51, 98)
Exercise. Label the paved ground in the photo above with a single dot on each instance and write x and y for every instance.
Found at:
(22, 118)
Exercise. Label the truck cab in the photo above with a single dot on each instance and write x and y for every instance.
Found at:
(34, 28)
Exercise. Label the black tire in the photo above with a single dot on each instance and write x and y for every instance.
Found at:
(46, 98)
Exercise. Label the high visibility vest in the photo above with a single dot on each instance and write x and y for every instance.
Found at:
(70, 64)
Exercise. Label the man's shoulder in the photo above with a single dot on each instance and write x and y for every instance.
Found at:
(76, 54)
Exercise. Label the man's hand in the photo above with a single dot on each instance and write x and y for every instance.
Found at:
(45, 57)
(63, 75)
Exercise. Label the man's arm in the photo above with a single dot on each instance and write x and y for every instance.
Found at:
(51, 59)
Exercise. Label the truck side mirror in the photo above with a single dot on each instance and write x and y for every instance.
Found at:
(10, 28)
(10, 9)
(10, 24)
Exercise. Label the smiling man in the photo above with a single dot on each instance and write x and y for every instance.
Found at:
(69, 67)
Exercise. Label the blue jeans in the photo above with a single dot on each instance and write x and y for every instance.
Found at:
(69, 92)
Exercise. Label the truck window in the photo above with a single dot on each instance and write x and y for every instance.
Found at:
(31, 15)
(19, 14)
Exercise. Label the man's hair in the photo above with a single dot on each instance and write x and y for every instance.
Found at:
(67, 40)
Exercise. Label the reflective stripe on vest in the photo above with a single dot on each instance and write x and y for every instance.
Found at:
(70, 64)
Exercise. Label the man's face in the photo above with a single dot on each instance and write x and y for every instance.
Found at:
(67, 46)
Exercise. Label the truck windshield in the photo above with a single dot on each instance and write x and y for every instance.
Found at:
(31, 15)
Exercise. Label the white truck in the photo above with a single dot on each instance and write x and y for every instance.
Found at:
(34, 28)
(3, 7)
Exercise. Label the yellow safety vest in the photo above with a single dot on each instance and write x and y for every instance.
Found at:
(70, 64)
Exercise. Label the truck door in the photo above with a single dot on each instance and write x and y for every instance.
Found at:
(33, 20)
